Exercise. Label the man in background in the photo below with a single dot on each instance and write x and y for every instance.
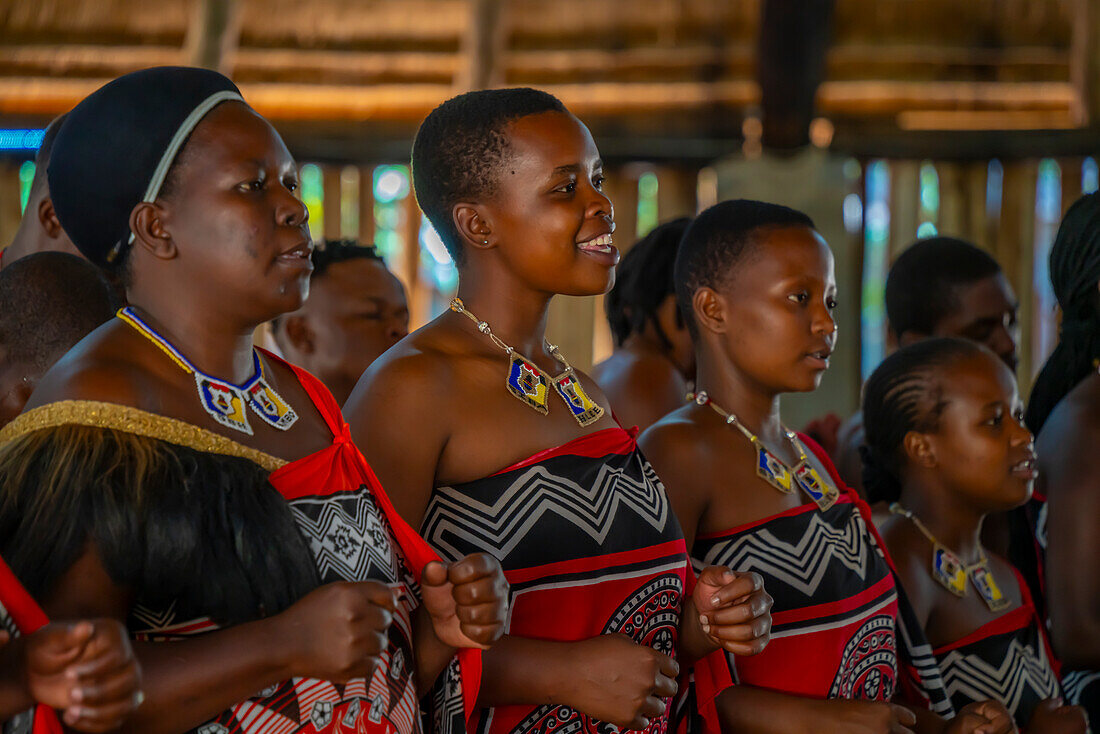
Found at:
(356, 310)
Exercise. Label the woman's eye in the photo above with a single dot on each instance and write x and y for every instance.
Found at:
(831, 304)
(598, 182)
(255, 185)
(291, 185)
(798, 297)
(568, 188)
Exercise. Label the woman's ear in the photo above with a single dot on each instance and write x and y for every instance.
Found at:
(710, 310)
(919, 450)
(150, 234)
(472, 225)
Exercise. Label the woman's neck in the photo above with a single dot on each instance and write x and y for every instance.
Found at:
(954, 523)
(756, 407)
(517, 316)
(216, 347)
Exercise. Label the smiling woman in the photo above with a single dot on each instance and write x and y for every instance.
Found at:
(555, 489)
(201, 490)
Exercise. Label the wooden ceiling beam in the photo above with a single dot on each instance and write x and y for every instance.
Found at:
(213, 34)
(49, 96)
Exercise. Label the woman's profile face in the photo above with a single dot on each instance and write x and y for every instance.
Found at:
(232, 210)
(550, 218)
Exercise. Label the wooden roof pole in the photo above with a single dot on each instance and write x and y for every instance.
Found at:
(213, 35)
(790, 64)
(482, 45)
(1084, 62)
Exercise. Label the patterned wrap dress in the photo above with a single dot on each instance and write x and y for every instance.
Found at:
(590, 546)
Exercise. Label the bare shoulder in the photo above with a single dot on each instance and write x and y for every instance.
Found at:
(675, 441)
(418, 371)
(1069, 462)
(909, 551)
(105, 367)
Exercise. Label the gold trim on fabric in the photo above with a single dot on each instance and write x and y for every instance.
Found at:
(135, 421)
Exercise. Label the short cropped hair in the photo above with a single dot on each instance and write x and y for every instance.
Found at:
(459, 148)
(718, 239)
(48, 302)
(920, 288)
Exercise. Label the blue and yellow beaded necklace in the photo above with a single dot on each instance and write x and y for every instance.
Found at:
(224, 401)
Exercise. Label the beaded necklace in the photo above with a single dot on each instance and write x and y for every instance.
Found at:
(951, 572)
(529, 384)
(772, 469)
(223, 400)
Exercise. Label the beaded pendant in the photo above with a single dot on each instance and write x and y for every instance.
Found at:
(823, 493)
(528, 383)
(569, 388)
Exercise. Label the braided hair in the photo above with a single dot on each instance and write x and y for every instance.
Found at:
(643, 282)
(905, 393)
(1074, 274)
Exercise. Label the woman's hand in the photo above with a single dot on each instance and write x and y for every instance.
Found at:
(621, 682)
(467, 600)
(85, 669)
(734, 610)
(336, 632)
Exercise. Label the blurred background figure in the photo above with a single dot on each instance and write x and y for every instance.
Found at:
(39, 230)
(356, 310)
(941, 287)
(653, 364)
(48, 302)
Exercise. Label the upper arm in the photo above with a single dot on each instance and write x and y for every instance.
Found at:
(669, 448)
(1070, 465)
(86, 591)
(396, 414)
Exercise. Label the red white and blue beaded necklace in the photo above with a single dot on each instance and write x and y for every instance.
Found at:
(224, 401)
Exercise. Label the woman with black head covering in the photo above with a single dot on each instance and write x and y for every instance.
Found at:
(1065, 414)
(170, 475)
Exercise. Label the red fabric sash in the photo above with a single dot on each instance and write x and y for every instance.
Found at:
(29, 618)
(342, 467)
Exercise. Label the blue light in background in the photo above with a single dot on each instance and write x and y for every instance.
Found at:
(21, 139)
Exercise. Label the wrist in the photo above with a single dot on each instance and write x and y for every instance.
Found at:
(695, 644)
(281, 636)
(15, 693)
(567, 665)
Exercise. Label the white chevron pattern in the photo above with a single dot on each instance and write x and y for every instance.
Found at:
(501, 526)
(347, 537)
(1021, 671)
(800, 565)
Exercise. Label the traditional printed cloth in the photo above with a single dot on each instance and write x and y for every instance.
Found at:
(352, 533)
(590, 546)
(837, 628)
(1007, 659)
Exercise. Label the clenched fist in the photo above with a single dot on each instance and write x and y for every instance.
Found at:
(467, 600)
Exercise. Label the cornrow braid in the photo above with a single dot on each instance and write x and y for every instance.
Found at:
(905, 393)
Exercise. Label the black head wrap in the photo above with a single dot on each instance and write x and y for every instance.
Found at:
(1074, 275)
(116, 147)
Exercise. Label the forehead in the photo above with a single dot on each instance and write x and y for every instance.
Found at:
(234, 132)
(979, 380)
(549, 140)
(986, 298)
(781, 253)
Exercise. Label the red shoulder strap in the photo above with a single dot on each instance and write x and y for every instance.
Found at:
(29, 618)
(318, 393)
